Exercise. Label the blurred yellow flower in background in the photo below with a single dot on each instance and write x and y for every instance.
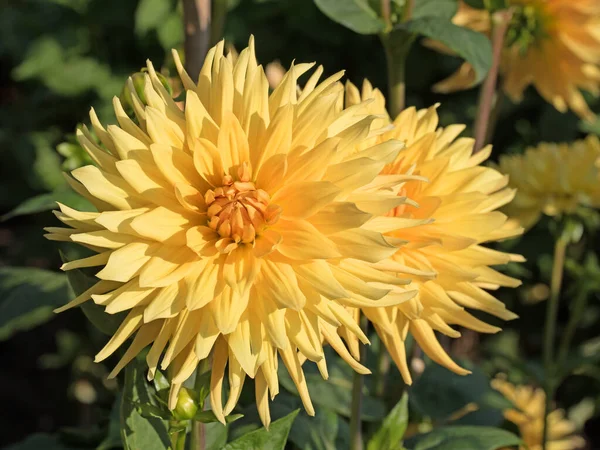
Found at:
(458, 203)
(553, 45)
(528, 415)
(553, 179)
(239, 227)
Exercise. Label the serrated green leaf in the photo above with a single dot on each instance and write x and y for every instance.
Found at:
(150, 14)
(261, 439)
(462, 438)
(138, 432)
(356, 15)
(389, 435)
(28, 296)
(473, 47)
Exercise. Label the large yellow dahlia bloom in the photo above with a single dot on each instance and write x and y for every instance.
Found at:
(458, 204)
(553, 45)
(239, 227)
(528, 415)
(553, 179)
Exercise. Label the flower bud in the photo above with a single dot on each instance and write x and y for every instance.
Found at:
(186, 405)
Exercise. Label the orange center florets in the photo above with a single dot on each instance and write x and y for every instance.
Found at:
(238, 210)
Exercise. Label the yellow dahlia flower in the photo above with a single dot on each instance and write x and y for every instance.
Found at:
(553, 179)
(457, 209)
(528, 415)
(238, 228)
(553, 45)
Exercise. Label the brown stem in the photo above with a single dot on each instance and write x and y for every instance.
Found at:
(386, 13)
(196, 25)
(500, 22)
(408, 9)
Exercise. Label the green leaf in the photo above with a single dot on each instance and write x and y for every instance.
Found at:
(477, 4)
(80, 282)
(434, 8)
(215, 436)
(152, 411)
(318, 432)
(590, 127)
(47, 202)
(63, 71)
(209, 417)
(474, 47)
(462, 438)
(356, 15)
(113, 435)
(439, 394)
(150, 14)
(335, 393)
(41, 441)
(138, 432)
(28, 296)
(389, 436)
(170, 31)
(261, 439)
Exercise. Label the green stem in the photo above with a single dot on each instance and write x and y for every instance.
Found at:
(356, 441)
(198, 438)
(219, 13)
(381, 370)
(178, 440)
(576, 314)
(550, 384)
(396, 44)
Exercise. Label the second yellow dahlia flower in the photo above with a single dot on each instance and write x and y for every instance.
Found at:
(528, 415)
(553, 45)
(553, 179)
(238, 227)
(456, 209)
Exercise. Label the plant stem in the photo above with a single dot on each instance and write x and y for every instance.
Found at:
(219, 13)
(381, 370)
(196, 26)
(500, 22)
(396, 44)
(576, 314)
(356, 441)
(178, 440)
(560, 250)
(198, 438)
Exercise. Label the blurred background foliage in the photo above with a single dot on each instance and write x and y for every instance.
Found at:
(59, 57)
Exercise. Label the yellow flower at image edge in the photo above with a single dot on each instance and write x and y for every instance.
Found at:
(553, 179)
(528, 415)
(457, 212)
(241, 227)
(553, 45)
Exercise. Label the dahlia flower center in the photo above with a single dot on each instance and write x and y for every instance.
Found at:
(238, 210)
(529, 25)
